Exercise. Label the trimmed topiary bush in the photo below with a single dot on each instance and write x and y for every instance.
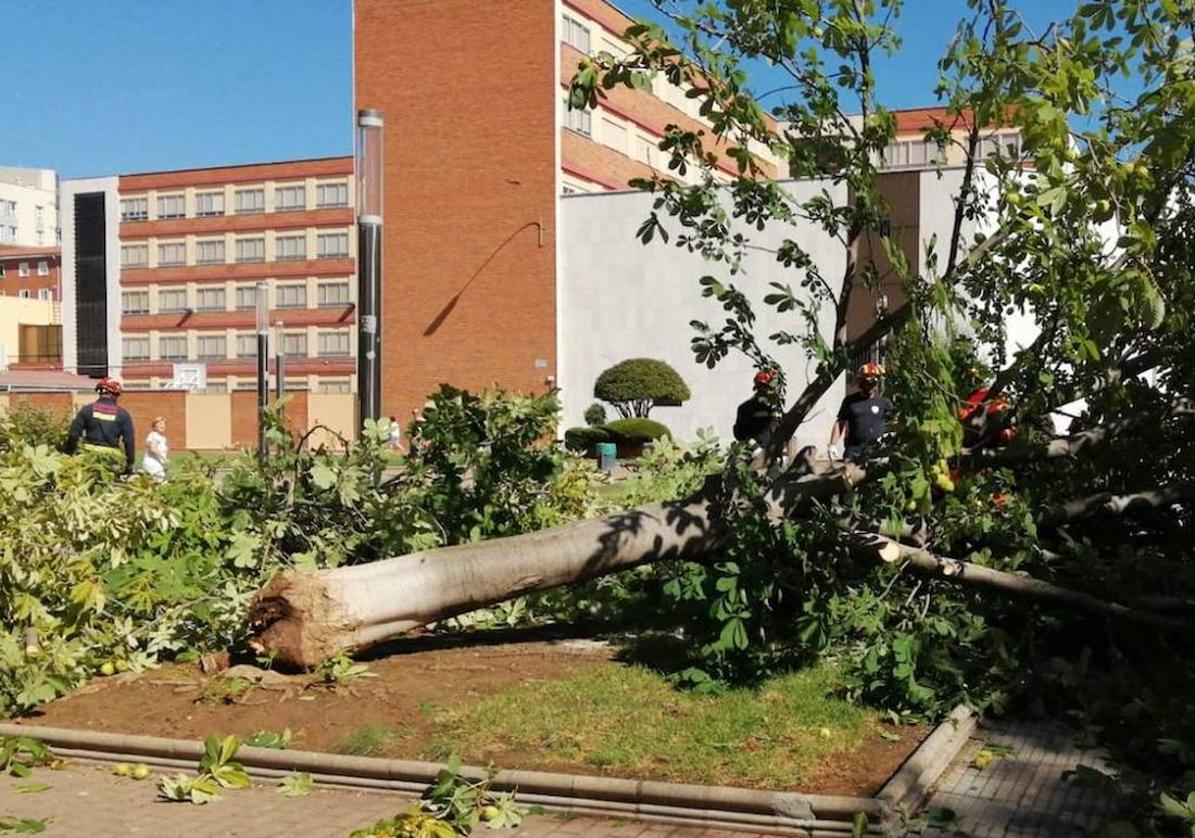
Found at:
(584, 440)
(636, 430)
(595, 414)
(637, 385)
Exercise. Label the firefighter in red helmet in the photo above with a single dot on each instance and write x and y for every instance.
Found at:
(756, 415)
(862, 418)
(104, 427)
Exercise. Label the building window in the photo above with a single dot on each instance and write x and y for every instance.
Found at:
(209, 203)
(294, 345)
(24, 294)
(173, 300)
(134, 302)
(250, 200)
(211, 347)
(43, 293)
(135, 349)
(39, 218)
(333, 294)
(43, 268)
(209, 299)
(134, 255)
(331, 194)
(23, 269)
(172, 253)
(290, 198)
(171, 206)
(332, 344)
(338, 386)
(575, 34)
(209, 252)
(292, 296)
(579, 121)
(134, 209)
(247, 345)
(290, 247)
(246, 297)
(1, 271)
(251, 250)
(216, 387)
(8, 235)
(332, 245)
(172, 348)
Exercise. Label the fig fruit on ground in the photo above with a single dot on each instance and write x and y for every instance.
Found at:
(108, 668)
(140, 771)
(121, 769)
(488, 813)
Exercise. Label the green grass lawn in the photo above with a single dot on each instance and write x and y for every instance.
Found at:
(631, 722)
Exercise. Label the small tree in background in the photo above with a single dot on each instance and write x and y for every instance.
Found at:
(595, 414)
(637, 385)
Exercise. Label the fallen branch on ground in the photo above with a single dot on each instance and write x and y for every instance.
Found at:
(882, 549)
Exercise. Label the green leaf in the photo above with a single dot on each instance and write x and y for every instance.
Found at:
(323, 476)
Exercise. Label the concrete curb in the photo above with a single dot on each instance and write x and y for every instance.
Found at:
(764, 812)
(911, 783)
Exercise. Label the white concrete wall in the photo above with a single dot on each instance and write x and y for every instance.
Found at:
(30, 189)
(70, 188)
(621, 299)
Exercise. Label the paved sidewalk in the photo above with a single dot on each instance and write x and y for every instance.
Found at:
(1022, 793)
(87, 800)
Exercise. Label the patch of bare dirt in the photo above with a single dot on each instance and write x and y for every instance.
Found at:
(181, 701)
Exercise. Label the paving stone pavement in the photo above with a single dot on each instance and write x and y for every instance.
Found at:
(87, 800)
(1022, 793)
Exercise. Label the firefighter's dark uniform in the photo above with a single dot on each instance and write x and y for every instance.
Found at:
(105, 428)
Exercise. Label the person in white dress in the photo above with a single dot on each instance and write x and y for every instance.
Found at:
(156, 450)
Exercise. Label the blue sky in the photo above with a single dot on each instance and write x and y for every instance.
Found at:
(94, 88)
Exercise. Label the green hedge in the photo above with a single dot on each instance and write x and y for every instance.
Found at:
(636, 430)
(583, 440)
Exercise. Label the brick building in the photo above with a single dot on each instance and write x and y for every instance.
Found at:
(162, 269)
(31, 272)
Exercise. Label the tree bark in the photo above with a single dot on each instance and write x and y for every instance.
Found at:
(304, 618)
(879, 548)
(1106, 503)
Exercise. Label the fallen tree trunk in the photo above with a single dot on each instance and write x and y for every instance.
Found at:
(882, 549)
(304, 618)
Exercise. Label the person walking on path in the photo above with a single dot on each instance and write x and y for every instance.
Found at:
(153, 461)
(863, 417)
(104, 427)
(395, 434)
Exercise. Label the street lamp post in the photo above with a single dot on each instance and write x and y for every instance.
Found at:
(280, 365)
(263, 368)
(369, 264)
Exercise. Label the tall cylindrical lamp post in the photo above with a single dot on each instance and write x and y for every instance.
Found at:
(369, 264)
(263, 367)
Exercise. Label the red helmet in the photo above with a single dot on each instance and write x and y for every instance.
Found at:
(108, 385)
(764, 378)
(871, 371)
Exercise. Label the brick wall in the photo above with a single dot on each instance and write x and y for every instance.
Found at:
(470, 183)
(244, 419)
(171, 405)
